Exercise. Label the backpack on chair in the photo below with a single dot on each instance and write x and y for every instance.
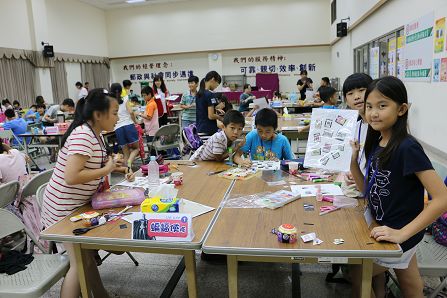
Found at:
(191, 139)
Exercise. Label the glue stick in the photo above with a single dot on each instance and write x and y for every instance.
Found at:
(318, 194)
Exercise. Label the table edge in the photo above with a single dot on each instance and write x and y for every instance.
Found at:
(302, 252)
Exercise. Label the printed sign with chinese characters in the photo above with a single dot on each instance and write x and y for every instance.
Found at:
(164, 227)
(419, 49)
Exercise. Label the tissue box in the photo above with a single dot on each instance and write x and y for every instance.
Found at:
(62, 127)
(159, 205)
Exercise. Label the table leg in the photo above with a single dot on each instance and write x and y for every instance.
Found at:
(296, 280)
(232, 275)
(367, 269)
(80, 261)
(190, 264)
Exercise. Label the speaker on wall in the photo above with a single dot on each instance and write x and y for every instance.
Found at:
(48, 51)
(342, 29)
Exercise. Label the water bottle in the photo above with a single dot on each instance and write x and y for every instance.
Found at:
(153, 175)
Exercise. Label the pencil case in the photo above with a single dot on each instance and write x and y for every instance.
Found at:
(118, 198)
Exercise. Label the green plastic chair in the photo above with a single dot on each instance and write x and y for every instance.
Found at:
(39, 276)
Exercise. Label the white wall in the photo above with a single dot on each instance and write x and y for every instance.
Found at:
(205, 25)
(73, 75)
(201, 63)
(77, 28)
(14, 25)
(427, 120)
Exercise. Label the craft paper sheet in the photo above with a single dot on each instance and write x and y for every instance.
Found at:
(310, 190)
(328, 145)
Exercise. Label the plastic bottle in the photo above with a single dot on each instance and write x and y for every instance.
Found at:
(318, 195)
(153, 175)
(230, 156)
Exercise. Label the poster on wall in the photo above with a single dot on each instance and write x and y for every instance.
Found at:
(400, 57)
(374, 62)
(392, 56)
(436, 69)
(440, 46)
(439, 35)
(419, 49)
(443, 72)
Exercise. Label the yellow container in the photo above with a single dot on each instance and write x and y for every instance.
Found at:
(159, 205)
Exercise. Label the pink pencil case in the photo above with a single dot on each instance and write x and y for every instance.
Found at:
(118, 198)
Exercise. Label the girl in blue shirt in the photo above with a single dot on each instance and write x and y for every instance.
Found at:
(397, 171)
(206, 102)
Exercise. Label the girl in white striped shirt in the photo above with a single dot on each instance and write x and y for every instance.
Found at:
(81, 165)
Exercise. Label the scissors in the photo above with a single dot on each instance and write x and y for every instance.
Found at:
(81, 231)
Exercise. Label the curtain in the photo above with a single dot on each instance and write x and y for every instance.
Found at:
(17, 77)
(59, 81)
(97, 74)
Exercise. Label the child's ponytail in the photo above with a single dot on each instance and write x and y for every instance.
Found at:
(201, 88)
(209, 76)
(97, 100)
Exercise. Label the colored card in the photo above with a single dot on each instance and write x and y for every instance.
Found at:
(436, 69)
(439, 35)
(443, 72)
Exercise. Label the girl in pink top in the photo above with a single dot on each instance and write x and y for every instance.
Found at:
(12, 164)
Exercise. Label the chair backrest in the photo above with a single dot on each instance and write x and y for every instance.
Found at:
(8, 193)
(8, 134)
(168, 130)
(9, 223)
(39, 194)
(31, 187)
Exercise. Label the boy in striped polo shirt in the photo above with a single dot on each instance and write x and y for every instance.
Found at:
(216, 147)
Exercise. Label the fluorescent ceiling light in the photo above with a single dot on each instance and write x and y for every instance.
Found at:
(135, 1)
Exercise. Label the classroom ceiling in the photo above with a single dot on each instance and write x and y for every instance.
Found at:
(113, 4)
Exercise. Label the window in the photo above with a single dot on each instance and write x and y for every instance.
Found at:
(333, 11)
(389, 57)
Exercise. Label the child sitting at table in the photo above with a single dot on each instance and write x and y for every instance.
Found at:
(216, 147)
(82, 166)
(329, 96)
(246, 99)
(264, 143)
(30, 115)
(17, 125)
(12, 164)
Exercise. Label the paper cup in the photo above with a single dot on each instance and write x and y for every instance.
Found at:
(293, 168)
(177, 178)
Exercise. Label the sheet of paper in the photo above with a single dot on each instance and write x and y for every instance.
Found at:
(328, 144)
(172, 97)
(311, 190)
(140, 182)
(265, 165)
(261, 103)
(186, 206)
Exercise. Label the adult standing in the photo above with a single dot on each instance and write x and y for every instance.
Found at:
(304, 83)
(83, 92)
